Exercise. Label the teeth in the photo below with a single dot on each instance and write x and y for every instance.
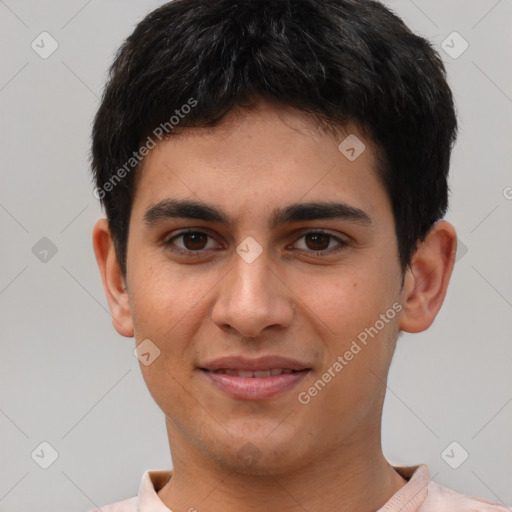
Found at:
(261, 373)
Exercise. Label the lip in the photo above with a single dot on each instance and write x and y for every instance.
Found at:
(254, 364)
(255, 388)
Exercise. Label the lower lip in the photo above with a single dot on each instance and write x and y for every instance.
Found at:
(255, 388)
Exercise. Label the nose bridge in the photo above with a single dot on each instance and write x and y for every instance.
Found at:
(250, 284)
(250, 299)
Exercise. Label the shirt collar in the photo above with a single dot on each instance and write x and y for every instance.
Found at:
(411, 496)
(407, 499)
(151, 483)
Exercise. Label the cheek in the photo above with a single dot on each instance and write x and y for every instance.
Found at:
(344, 304)
(357, 322)
(164, 300)
(352, 379)
(168, 307)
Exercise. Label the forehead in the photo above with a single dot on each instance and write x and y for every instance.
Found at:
(261, 157)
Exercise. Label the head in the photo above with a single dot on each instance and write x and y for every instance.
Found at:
(317, 137)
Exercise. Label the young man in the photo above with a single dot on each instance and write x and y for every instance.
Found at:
(274, 175)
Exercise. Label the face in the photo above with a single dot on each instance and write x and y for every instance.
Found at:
(254, 270)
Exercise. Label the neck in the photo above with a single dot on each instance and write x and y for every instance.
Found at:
(349, 477)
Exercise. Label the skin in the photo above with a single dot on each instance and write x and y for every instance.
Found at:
(322, 456)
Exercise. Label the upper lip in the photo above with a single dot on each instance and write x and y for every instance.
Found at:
(254, 364)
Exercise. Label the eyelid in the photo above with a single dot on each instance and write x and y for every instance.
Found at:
(168, 239)
(342, 243)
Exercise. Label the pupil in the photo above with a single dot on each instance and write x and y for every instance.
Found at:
(317, 241)
(193, 241)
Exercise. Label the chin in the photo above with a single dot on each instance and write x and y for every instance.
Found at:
(263, 456)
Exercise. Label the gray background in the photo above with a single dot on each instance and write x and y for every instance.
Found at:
(69, 379)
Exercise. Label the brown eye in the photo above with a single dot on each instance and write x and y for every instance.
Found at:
(317, 241)
(194, 241)
(320, 243)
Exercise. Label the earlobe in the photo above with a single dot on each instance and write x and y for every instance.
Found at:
(427, 278)
(112, 278)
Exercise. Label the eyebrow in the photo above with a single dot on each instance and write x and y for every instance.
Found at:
(190, 209)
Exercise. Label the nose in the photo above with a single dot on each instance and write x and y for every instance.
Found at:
(252, 298)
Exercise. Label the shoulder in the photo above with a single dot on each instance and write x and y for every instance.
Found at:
(440, 499)
(129, 505)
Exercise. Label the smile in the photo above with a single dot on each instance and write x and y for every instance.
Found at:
(261, 373)
(254, 385)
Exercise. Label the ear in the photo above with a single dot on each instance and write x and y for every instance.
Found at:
(113, 280)
(427, 278)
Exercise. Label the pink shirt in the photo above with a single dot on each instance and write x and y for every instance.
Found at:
(419, 494)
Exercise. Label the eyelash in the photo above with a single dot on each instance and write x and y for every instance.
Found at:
(342, 243)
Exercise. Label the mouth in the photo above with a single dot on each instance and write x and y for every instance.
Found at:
(255, 374)
(254, 385)
(257, 378)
